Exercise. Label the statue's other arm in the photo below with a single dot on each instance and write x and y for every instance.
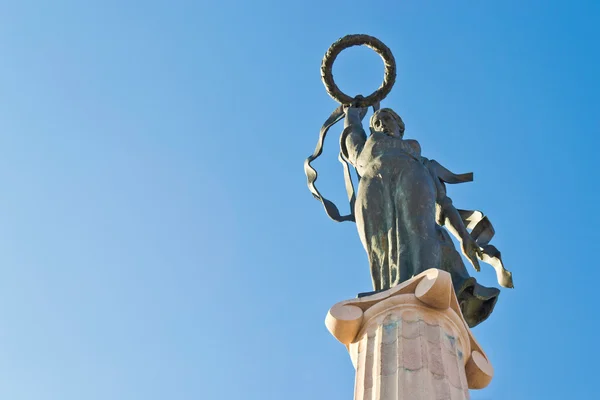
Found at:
(354, 136)
(454, 223)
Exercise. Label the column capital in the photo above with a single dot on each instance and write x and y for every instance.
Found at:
(427, 298)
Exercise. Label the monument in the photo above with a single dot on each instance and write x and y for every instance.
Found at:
(410, 337)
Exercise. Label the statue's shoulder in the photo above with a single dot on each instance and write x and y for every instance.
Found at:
(431, 165)
(414, 145)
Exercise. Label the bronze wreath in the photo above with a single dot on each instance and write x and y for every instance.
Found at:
(358, 40)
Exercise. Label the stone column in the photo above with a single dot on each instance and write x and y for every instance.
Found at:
(411, 342)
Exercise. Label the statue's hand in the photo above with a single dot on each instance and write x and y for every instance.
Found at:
(353, 111)
(471, 250)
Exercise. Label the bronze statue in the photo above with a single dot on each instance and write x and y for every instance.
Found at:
(401, 206)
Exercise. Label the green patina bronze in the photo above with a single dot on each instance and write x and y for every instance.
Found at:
(401, 208)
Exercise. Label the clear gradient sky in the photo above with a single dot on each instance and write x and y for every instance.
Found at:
(158, 241)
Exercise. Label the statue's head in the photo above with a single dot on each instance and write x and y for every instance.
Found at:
(387, 121)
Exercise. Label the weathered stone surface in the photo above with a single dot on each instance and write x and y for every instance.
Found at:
(404, 348)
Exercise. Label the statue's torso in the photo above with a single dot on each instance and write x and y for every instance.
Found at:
(383, 154)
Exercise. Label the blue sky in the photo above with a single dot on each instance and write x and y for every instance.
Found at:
(157, 239)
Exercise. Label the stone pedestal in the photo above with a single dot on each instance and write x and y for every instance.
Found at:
(411, 342)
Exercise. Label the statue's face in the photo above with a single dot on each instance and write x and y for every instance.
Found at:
(385, 123)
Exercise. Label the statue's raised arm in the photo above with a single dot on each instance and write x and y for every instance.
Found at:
(353, 137)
